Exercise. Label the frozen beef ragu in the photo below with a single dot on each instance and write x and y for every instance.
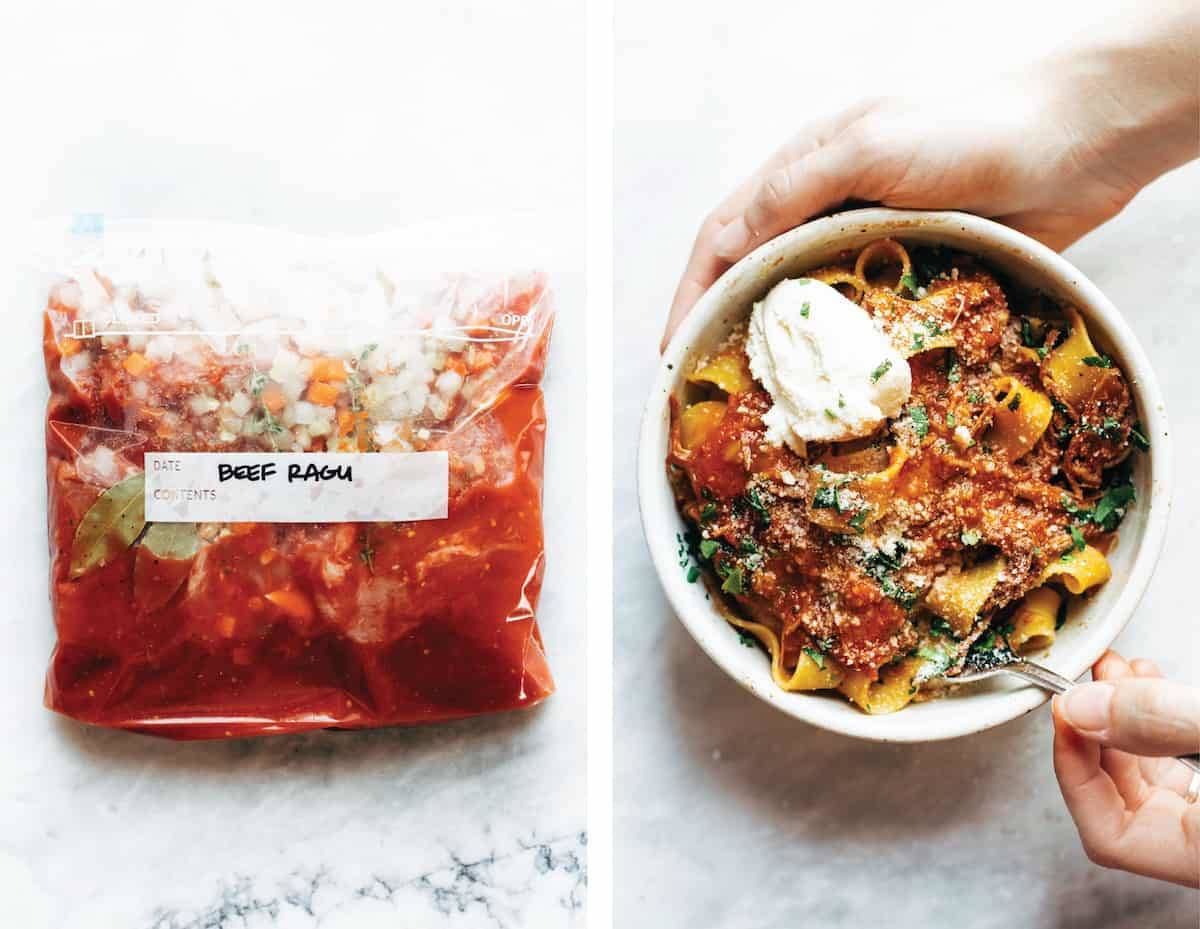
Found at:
(221, 629)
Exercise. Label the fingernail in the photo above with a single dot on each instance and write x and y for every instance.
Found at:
(732, 240)
(1087, 706)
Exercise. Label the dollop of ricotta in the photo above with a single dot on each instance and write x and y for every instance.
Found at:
(831, 373)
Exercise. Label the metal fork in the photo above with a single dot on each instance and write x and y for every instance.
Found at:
(1000, 659)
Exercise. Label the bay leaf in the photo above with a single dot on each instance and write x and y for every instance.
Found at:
(163, 562)
(178, 541)
(110, 525)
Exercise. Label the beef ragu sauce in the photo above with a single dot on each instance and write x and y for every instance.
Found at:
(854, 590)
(276, 627)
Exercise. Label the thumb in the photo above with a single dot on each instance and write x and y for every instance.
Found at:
(1141, 716)
(790, 194)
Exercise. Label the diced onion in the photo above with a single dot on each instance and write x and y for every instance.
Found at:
(449, 383)
(240, 403)
(201, 404)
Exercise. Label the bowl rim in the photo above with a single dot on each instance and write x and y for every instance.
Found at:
(1101, 632)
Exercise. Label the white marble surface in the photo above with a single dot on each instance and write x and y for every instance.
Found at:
(730, 814)
(329, 119)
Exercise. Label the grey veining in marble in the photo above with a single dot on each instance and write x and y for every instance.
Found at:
(731, 814)
(493, 890)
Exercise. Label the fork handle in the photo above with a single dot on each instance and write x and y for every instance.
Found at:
(1047, 679)
(1043, 677)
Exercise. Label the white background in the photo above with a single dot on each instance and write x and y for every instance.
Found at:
(728, 813)
(331, 119)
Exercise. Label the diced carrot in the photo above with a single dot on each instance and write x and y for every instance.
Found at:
(345, 422)
(292, 603)
(225, 625)
(322, 394)
(328, 369)
(457, 363)
(273, 399)
(68, 347)
(136, 363)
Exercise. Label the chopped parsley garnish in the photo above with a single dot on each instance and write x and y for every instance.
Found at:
(746, 638)
(1098, 361)
(1061, 617)
(1111, 509)
(1042, 352)
(841, 402)
(985, 643)
(953, 368)
(971, 536)
(367, 351)
(829, 414)
(879, 566)
(1077, 538)
(826, 498)
(734, 582)
(1028, 339)
(258, 381)
(1081, 513)
(804, 309)
(817, 658)
(904, 598)
(884, 368)
(934, 327)
(747, 547)
(975, 397)
(918, 341)
(909, 283)
(951, 419)
(756, 504)
(709, 547)
(1139, 437)
(858, 521)
(882, 560)
(939, 627)
(920, 420)
(708, 513)
(692, 573)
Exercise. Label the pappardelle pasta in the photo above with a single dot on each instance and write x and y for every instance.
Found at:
(874, 565)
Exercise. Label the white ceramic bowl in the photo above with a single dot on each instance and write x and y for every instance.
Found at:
(1093, 624)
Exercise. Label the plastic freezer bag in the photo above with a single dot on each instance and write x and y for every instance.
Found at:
(295, 499)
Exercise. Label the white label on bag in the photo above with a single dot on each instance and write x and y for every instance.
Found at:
(316, 487)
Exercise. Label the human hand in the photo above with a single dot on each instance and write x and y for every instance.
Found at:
(1111, 740)
(1053, 153)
